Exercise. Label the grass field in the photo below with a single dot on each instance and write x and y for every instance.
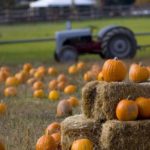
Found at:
(27, 117)
(43, 52)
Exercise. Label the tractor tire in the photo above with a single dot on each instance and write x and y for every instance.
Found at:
(119, 42)
(56, 57)
(67, 54)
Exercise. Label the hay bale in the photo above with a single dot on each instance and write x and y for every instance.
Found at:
(77, 127)
(131, 135)
(99, 99)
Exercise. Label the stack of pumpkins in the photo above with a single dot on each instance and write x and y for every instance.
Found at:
(51, 139)
(118, 107)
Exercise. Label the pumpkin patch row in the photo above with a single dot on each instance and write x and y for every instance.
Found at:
(112, 70)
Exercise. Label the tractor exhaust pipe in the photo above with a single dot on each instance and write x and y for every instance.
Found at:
(68, 25)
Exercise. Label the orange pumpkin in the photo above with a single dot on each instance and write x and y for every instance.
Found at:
(21, 77)
(39, 75)
(5, 69)
(88, 76)
(11, 81)
(80, 65)
(127, 110)
(52, 84)
(52, 71)
(27, 67)
(56, 137)
(30, 81)
(32, 71)
(53, 128)
(3, 76)
(61, 77)
(144, 107)
(96, 67)
(73, 101)
(3, 108)
(138, 73)
(95, 70)
(46, 142)
(61, 85)
(39, 94)
(2, 146)
(64, 108)
(42, 70)
(72, 69)
(114, 70)
(38, 85)
(10, 91)
(82, 144)
(100, 76)
(70, 89)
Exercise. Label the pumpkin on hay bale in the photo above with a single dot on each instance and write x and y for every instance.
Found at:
(78, 127)
(99, 98)
(138, 73)
(126, 135)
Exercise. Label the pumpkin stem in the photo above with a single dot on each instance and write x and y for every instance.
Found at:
(140, 64)
(129, 97)
(116, 58)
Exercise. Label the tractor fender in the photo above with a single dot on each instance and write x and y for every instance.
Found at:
(104, 31)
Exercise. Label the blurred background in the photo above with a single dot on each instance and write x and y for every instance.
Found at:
(28, 19)
(32, 84)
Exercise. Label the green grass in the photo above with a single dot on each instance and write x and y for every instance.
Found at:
(43, 52)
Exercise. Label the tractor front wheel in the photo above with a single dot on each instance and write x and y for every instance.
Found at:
(67, 54)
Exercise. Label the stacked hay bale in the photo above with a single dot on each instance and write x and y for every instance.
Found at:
(97, 123)
(101, 98)
(77, 127)
(127, 135)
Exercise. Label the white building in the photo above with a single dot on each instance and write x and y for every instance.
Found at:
(61, 3)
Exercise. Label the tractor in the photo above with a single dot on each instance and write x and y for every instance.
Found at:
(112, 41)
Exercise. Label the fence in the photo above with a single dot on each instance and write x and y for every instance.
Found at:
(80, 13)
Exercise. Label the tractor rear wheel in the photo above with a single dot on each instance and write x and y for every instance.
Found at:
(119, 42)
(67, 54)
